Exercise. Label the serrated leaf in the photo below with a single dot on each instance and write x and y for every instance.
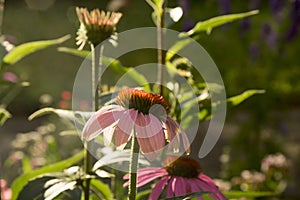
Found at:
(22, 180)
(101, 189)
(211, 23)
(4, 115)
(25, 49)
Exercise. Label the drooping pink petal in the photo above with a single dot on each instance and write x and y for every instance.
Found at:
(208, 187)
(210, 183)
(103, 118)
(170, 191)
(150, 135)
(120, 137)
(146, 178)
(173, 136)
(127, 121)
(108, 134)
(194, 188)
(158, 188)
(180, 186)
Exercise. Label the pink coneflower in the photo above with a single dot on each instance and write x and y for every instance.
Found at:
(180, 176)
(138, 113)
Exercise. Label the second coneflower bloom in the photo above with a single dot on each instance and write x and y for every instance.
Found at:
(95, 26)
(142, 115)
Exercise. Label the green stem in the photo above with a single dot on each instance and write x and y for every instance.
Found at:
(96, 67)
(160, 46)
(133, 168)
(2, 2)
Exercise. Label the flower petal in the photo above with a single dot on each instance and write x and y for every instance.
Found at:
(158, 188)
(210, 187)
(169, 192)
(180, 186)
(120, 137)
(150, 135)
(127, 121)
(172, 134)
(108, 134)
(103, 118)
(214, 188)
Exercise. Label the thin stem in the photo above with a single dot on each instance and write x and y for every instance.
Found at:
(160, 46)
(133, 168)
(96, 67)
(2, 2)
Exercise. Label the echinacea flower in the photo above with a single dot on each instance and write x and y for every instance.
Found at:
(140, 114)
(180, 176)
(95, 26)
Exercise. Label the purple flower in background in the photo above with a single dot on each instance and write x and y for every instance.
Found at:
(10, 77)
(269, 36)
(254, 52)
(224, 6)
(245, 26)
(276, 7)
(188, 23)
(295, 18)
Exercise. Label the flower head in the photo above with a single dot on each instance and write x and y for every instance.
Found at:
(95, 26)
(138, 113)
(179, 176)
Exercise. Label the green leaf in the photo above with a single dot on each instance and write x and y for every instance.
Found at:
(143, 195)
(66, 114)
(22, 180)
(249, 194)
(236, 100)
(101, 189)
(75, 52)
(205, 112)
(180, 44)
(209, 24)
(34, 189)
(113, 64)
(25, 49)
(4, 115)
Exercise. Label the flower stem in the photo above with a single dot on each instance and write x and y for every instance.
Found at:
(160, 45)
(133, 168)
(96, 67)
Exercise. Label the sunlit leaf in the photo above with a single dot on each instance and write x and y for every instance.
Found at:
(116, 157)
(4, 115)
(180, 44)
(57, 188)
(205, 112)
(101, 189)
(75, 52)
(114, 64)
(22, 180)
(25, 49)
(211, 23)
(236, 100)
(67, 114)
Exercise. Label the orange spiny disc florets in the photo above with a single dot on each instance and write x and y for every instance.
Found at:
(182, 166)
(140, 100)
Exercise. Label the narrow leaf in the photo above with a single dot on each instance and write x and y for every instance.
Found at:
(22, 180)
(236, 100)
(101, 189)
(249, 194)
(4, 115)
(209, 24)
(113, 64)
(25, 49)
(57, 189)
